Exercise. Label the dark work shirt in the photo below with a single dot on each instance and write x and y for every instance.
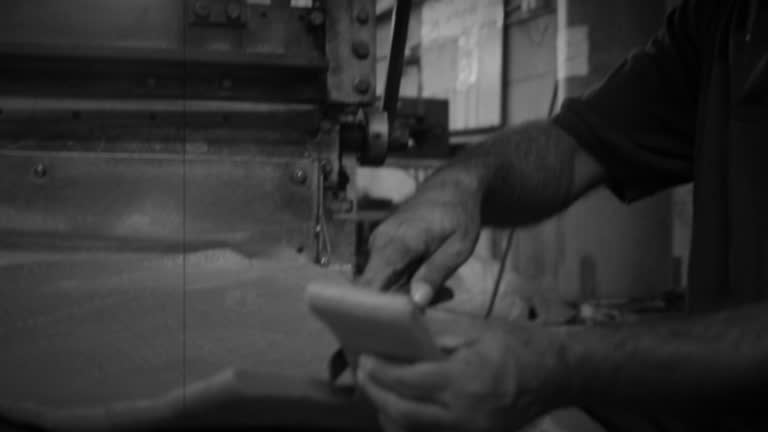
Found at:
(692, 105)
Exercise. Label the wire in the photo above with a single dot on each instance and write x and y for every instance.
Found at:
(499, 275)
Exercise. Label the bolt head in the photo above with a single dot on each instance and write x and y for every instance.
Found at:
(363, 85)
(361, 49)
(299, 176)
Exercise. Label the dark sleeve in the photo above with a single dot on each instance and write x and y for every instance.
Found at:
(640, 122)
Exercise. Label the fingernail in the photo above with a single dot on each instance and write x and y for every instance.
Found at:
(421, 293)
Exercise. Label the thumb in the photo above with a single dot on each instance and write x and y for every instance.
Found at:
(438, 268)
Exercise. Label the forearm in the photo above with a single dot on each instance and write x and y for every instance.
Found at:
(708, 362)
(525, 174)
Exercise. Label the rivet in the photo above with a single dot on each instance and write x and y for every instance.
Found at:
(40, 170)
(361, 49)
(234, 11)
(316, 18)
(327, 167)
(202, 9)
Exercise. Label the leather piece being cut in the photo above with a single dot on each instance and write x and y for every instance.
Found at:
(338, 363)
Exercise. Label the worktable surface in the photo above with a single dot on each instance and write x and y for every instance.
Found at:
(101, 338)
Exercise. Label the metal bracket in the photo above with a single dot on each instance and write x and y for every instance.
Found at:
(350, 48)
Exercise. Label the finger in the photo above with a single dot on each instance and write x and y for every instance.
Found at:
(438, 267)
(389, 256)
(402, 412)
(420, 381)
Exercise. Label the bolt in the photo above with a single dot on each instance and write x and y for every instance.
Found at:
(318, 230)
(363, 16)
(202, 9)
(226, 83)
(316, 18)
(363, 85)
(151, 82)
(361, 49)
(39, 170)
(299, 176)
(234, 11)
(324, 261)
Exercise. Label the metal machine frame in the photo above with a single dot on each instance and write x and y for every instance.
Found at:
(193, 123)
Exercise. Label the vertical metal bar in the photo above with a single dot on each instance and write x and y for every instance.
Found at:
(399, 37)
(317, 225)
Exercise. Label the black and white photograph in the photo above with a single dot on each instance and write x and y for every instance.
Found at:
(384, 215)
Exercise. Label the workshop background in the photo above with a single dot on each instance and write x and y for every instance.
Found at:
(175, 172)
(600, 251)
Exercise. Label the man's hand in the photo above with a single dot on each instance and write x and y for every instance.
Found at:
(527, 174)
(428, 238)
(502, 378)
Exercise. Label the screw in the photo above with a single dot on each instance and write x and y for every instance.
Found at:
(363, 16)
(39, 170)
(234, 11)
(299, 176)
(226, 83)
(316, 18)
(151, 82)
(361, 49)
(363, 85)
(324, 261)
(202, 9)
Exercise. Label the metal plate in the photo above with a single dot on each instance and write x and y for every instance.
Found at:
(351, 78)
(151, 28)
(247, 202)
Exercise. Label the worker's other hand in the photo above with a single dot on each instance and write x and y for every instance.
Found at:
(427, 239)
(503, 379)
